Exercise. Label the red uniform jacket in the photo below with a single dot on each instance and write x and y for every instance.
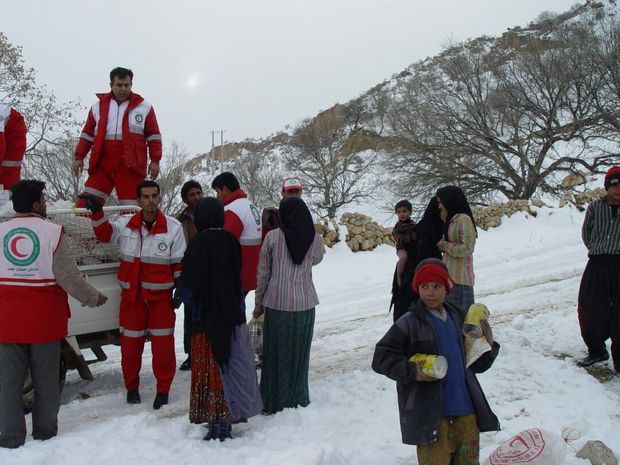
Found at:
(139, 127)
(243, 220)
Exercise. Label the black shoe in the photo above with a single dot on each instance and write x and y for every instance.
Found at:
(133, 396)
(590, 360)
(160, 399)
(186, 365)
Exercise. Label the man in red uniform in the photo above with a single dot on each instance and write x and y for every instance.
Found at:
(243, 220)
(37, 270)
(12, 145)
(151, 248)
(118, 130)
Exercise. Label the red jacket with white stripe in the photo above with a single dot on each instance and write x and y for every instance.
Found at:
(138, 127)
(150, 259)
(243, 220)
(12, 142)
(33, 307)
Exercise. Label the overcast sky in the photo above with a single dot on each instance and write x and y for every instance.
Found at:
(249, 67)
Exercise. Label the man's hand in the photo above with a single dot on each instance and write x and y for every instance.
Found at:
(78, 167)
(91, 202)
(153, 170)
(177, 298)
(102, 299)
(258, 311)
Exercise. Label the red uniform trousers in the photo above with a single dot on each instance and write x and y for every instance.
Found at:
(9, 176)
(110, 173)
(155, 318)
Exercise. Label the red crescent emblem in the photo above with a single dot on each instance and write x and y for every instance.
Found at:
(13, 245)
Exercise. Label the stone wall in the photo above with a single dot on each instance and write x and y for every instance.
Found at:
(491, 216)
(363, 233)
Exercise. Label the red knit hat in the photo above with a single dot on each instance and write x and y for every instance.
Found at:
(432, 270)
(612, 176)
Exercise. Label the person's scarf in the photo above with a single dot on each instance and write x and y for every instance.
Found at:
(212, 272)
(297, 226)
(454, 201)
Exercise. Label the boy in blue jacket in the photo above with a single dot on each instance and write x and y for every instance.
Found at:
(443, 418)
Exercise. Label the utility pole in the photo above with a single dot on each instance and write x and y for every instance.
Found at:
(222, 150)
(212, 148)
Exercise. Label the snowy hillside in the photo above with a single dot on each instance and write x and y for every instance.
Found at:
(528, 273)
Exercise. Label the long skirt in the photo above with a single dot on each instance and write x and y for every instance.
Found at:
(239, 378)
(287, 337)
(599, 306)
(207, 403)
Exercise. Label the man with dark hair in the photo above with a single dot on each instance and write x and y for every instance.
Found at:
(191, 194)
(12, 145)
(37, 271)
(243, 220)
(598, 305)
(119, 130)
(151, 248)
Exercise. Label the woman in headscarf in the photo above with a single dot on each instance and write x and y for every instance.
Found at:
(457, 244)
(287, 296)
(428, 232)
(224, 388)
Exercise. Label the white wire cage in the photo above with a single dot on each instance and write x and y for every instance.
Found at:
(85, 246)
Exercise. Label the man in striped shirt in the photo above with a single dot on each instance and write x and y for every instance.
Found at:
(599, 293)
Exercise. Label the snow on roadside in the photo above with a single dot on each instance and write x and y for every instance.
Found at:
(528, 273)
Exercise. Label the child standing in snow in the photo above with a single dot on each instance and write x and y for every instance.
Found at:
(404, 235)
(443, 418)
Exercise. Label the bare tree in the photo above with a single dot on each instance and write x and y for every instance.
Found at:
(494, 122)
(53, 163)
(260, 173)
(172, 176)
(49, 122)
(333, 177)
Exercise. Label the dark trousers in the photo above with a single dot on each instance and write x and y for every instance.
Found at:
(43, 361)
(599, 306)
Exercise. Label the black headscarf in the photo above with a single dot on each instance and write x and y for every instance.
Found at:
(212, 272)
(454, 200)
(208, 213)
(298, 228)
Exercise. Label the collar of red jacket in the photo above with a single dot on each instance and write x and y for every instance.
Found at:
(237, 194)
(160, 226)
(134, 99)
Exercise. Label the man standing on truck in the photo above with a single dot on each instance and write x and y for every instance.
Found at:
(191, 193)
(37, 271)
(151, 248)
(12, 145)
(118, 130)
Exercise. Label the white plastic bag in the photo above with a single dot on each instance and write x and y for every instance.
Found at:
(532, 446)
(255, 327)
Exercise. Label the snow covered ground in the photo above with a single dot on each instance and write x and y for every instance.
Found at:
(528, 273)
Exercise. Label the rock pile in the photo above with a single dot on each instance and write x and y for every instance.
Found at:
(330, 232)
(363, 233)
(581, 199)
(491, 216)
